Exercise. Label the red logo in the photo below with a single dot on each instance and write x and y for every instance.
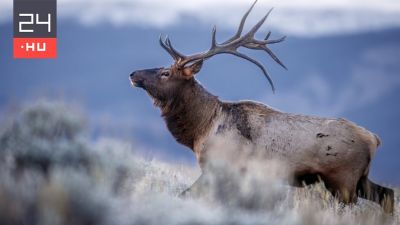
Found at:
(35, 29)
(35, 47)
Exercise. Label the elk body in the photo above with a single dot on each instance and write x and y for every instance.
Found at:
(336, 151)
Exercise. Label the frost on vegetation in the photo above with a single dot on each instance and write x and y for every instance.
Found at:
(51, 172)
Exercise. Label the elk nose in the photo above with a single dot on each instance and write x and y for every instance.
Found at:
(136, 79)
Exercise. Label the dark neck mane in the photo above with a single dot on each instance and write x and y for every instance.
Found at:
(189, 113)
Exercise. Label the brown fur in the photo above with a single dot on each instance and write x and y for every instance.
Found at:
(189, 113)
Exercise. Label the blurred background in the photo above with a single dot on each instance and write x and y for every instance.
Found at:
(343, 59)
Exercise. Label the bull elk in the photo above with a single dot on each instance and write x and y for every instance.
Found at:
(336, 151)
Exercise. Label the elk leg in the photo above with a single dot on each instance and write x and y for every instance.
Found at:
(376, 193)
(343, 189)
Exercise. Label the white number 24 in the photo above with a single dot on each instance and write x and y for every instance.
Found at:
(31, 22)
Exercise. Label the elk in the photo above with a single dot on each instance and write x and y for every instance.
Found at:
(336, 151)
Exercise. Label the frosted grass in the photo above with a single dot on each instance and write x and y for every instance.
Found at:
(52, 173)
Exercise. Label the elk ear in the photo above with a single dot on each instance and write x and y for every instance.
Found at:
(194, 68)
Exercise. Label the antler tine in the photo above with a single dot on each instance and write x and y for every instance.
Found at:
(275, 41)
(167, 48)
(178, 54)
(213, 39)
(243, 56)
(258, 25)
(267, 37)
(274, 57)
(258, 45)
(242, 22)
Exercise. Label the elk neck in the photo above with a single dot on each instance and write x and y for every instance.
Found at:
(189, 113)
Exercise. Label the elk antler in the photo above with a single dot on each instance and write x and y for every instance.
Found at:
(231, 46)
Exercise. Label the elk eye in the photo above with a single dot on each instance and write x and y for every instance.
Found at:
(165, 74)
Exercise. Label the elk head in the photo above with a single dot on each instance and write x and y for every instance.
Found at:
(164, 83)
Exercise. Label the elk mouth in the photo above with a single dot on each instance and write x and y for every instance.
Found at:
(137, 83)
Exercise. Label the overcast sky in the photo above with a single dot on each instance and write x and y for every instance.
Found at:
(294, 17)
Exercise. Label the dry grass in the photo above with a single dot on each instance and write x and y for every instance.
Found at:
(50, 173)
